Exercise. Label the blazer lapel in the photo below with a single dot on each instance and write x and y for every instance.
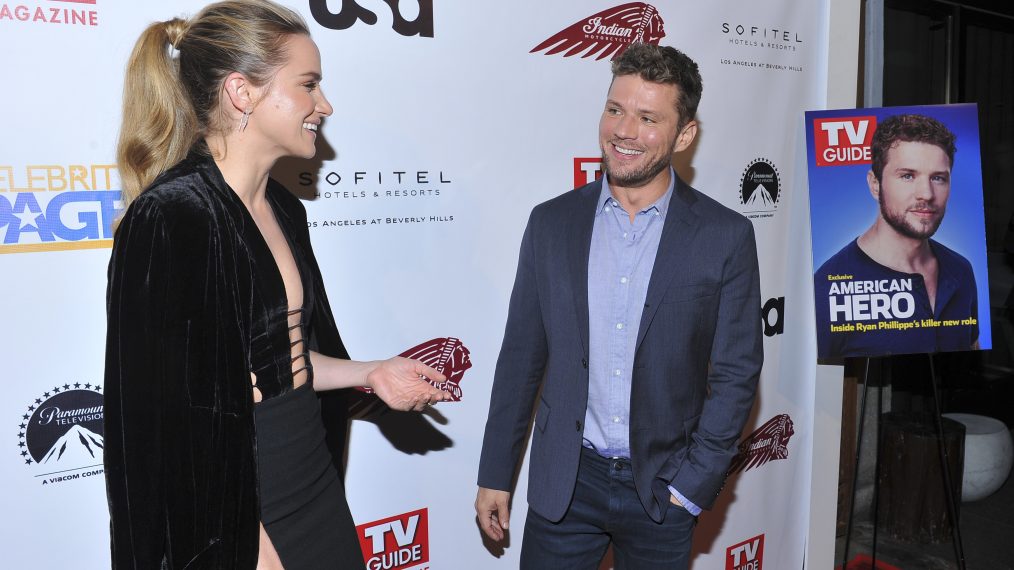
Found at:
(680, 222)
(580, 234)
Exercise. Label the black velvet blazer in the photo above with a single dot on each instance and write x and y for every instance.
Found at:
(187, 279)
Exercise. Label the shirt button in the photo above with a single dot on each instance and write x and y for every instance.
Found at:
(616, 419)
(617, 372)
(623, 279)
(658, 214)
(608, 209)
(615, 204)
(624, 234)
(619, 326)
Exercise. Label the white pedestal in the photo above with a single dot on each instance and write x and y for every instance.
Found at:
(989, 454)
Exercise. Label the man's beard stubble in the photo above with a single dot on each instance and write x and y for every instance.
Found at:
(903, 227)
(636, 178)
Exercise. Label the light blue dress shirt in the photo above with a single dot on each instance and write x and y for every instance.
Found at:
(619, 268)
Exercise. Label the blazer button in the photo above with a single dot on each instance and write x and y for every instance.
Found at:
(578, 425)
(584, 362)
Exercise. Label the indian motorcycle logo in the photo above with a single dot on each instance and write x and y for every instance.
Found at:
(608, 33)
(60, 434)
(767, 443)
(448, 356)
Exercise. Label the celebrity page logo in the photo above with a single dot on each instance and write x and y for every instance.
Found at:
(608, 33)
(400, 542)
(767, 443)
(55, 207)
(747, 555)
(843, 141)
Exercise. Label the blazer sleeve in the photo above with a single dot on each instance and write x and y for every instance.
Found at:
(518, 374)
(137, 305)
(737, 355)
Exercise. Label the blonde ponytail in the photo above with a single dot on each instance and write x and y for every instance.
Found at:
(175, 75)
(159, 124)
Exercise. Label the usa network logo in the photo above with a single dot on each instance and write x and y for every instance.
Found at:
(55, 207)
(52, 13)
(607, 33)
(400, 542)
(351, 12)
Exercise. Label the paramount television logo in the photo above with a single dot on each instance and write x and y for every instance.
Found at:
(401, 542)
(607, 33)
(60, 434)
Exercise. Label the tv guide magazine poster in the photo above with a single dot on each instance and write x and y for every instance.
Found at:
(899, 246)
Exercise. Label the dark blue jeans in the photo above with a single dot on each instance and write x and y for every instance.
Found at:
(606, 509)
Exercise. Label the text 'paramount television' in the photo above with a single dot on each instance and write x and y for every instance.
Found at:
(898, 233)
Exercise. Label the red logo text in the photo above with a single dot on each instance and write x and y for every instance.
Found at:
(587, 170)
(607, 33)
(747, 555)
(843, 141)
(396, 543)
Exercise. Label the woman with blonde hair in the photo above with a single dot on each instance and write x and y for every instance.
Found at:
(219, 330)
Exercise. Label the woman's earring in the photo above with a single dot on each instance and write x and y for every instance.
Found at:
(243, 120)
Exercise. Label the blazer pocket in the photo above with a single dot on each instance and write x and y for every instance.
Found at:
(542, 416)
(685, 293)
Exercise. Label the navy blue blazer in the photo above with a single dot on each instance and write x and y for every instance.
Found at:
(698, 357)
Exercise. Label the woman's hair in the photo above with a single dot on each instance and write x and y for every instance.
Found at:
(175, 76)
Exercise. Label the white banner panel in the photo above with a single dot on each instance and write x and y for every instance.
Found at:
(446, 131)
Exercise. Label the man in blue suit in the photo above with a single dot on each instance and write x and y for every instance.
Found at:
(635, 309)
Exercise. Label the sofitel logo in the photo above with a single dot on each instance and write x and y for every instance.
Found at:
(767, 443)
(351, 12)
(61, 432)
(608, 33)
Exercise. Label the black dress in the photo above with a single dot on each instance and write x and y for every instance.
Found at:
(302, 501)
(194, 301)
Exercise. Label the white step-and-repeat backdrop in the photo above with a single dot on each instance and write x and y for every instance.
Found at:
(447, 128)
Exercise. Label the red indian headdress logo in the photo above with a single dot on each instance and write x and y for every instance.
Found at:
(448, 356)
(768, 442)
(609, 32)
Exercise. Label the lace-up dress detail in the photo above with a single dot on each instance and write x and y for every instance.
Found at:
(302, 500)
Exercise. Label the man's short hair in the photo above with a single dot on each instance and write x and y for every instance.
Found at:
(909, 128)
(666, 65)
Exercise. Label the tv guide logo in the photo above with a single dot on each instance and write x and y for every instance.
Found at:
(400, 542)
(843, 141)
(747, 555)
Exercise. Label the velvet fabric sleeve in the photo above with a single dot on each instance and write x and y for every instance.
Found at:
(137, 302)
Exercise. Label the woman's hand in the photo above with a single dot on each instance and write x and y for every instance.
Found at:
(397, 381)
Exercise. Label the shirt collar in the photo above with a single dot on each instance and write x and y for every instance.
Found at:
(661, 205)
